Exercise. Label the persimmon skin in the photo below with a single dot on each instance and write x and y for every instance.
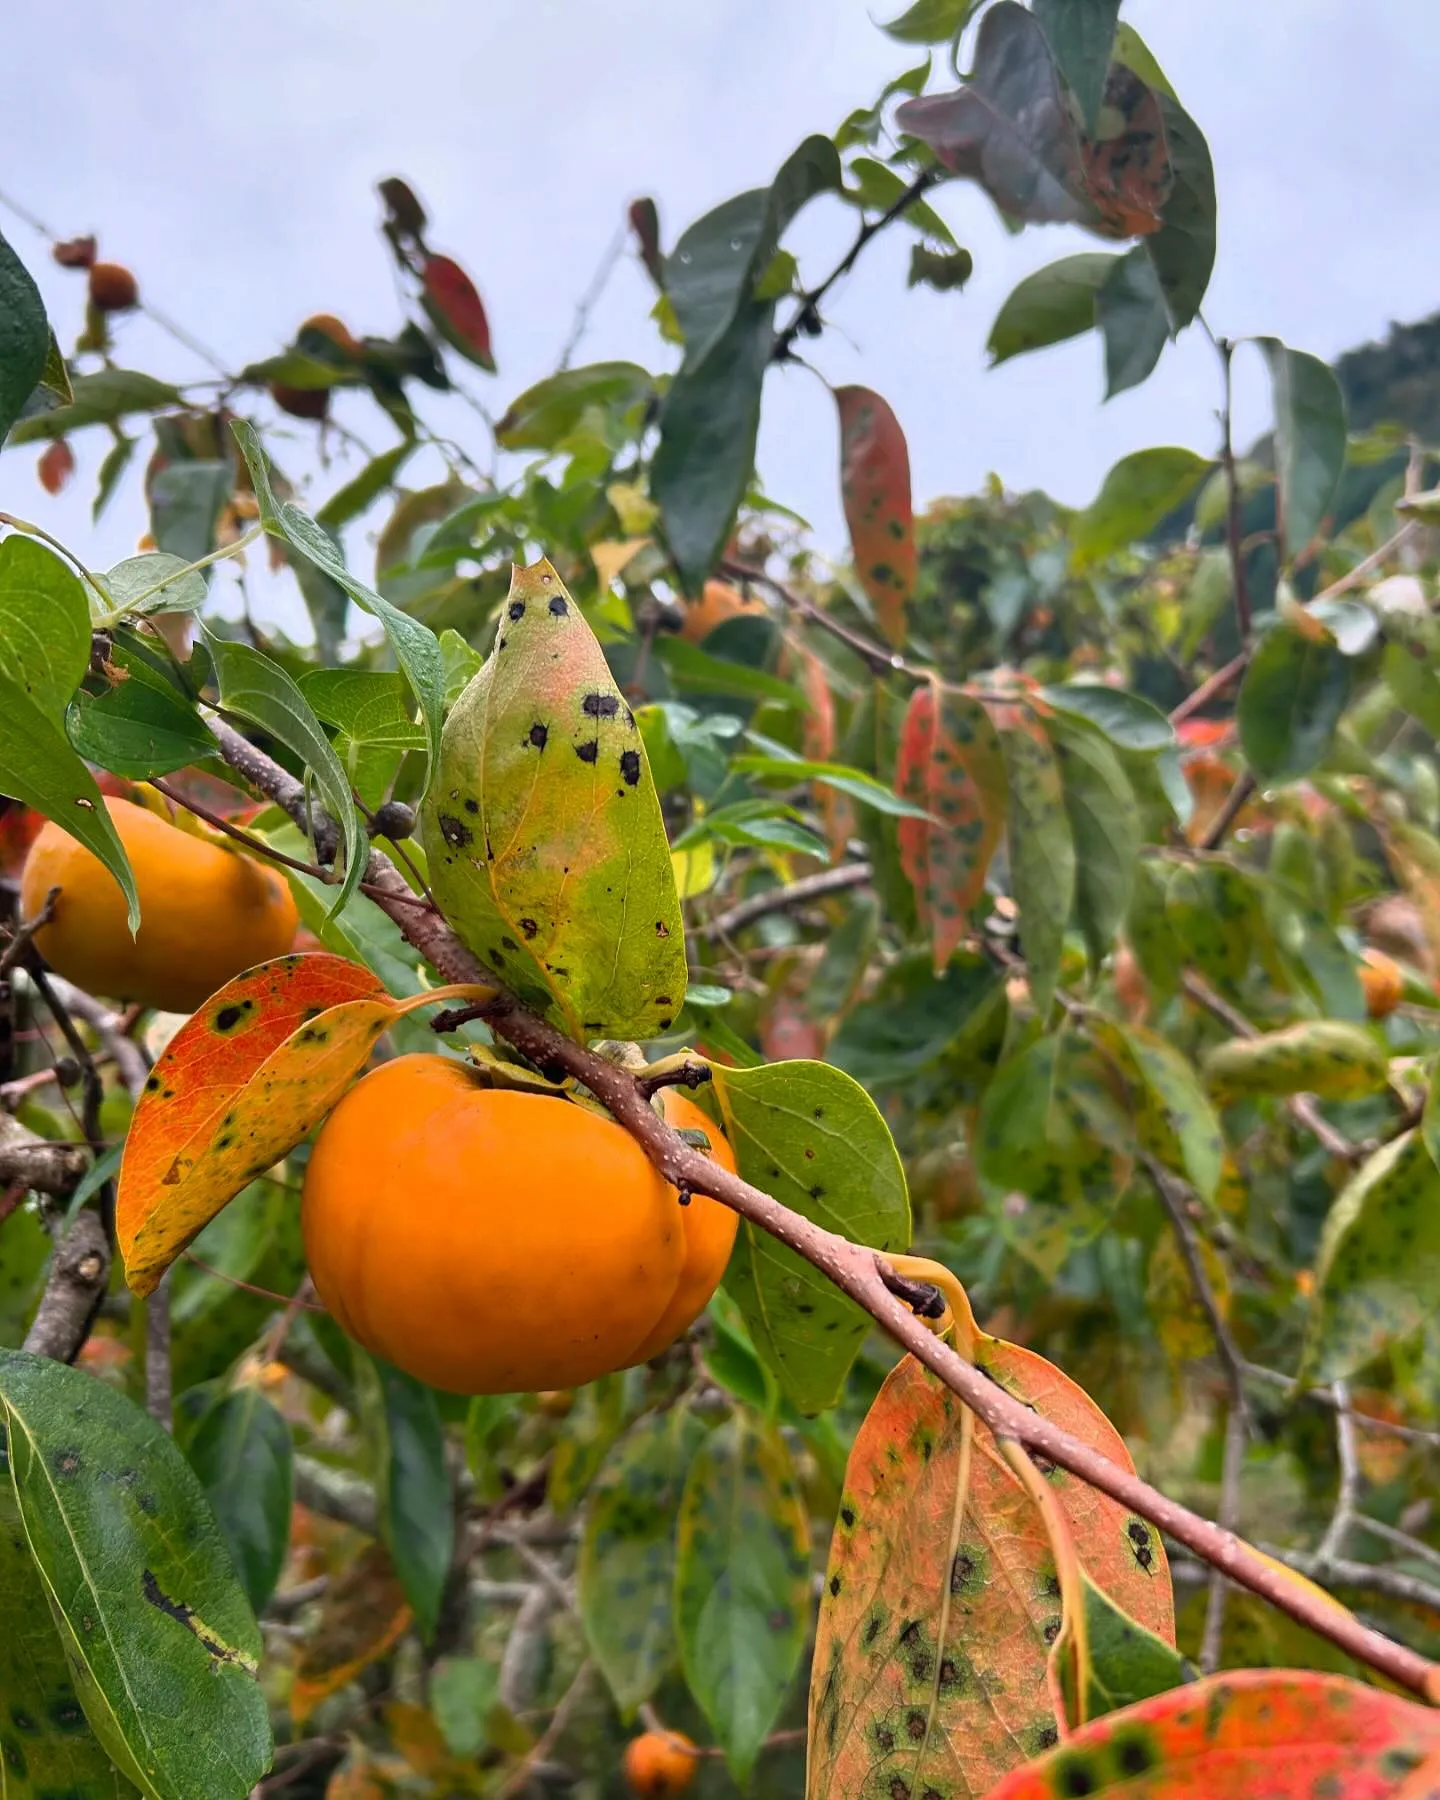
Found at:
(718, 602)
(206, 913)
(484, 1240)
(659, 1764)
(710, 1229)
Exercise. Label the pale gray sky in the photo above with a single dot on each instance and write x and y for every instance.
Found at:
(228, 153)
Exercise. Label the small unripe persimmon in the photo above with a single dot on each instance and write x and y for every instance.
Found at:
(301, 403)
(112, 287)
(660, 1763)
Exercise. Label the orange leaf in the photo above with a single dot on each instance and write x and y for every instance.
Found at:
(417, 1737)
(818, 743)
(364, 1613)
(875, 487)
(1280, 1734)
(949, 762)
(56, 466)
(1127, 172)
(453, 302)
(942, 1597)
(354, 1781)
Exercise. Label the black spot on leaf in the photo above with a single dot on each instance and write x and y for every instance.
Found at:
(516, 609)
(558, 608)
(630, 766)
(589, 750)
(539, 735)
(600, 706)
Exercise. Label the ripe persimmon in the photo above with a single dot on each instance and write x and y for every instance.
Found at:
(660, 1763)
(338, 332)
(1384, 983)
(491, 1241)
(112, 287)
(206, 912)
(301, 403)
(718, 602)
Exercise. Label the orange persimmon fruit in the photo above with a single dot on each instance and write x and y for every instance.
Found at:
(1384, 983)
(207, 913)
(491, 1241)
(659, 1763)
(112, 287)
(718, 602)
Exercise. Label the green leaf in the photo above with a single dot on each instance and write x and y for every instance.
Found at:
(241, 1451)
(854, 782)
(48, 1749)
(1136, 495)
(1127, 1662)
(1414, 683)
(812, 1137)
(117, 461)
(542, 753)
(1294, 692)
(417, 1509)
(140, 727)
(706, 454)
(350, 501)
(698, 671)
(39, 769)
(369, 705)
(24, 337)
(1309, 439)
(1176, 1121)
(55, 376)
(914, 1017)
(1130, 722)
(1055, 303)
(463, 1689)
(1105, 827)
(931, 21)
(742, 1584)
(155, 582)
(945, 271)
(460, 664)
(1042, 852)
(1377, 1276)
(100, 399)
(544, 415)
(185, 502)
(258, 689)
(877, 187)
(1081, 33)
(326, 602)
(162, 1645)
(44, 624)
(416, 648)
(625, 1574)
(1134, 321)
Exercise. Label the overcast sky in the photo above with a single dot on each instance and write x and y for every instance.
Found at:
(228, 153)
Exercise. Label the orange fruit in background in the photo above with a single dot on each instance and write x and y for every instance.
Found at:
(301, 403)
(490, 1241)
(206, 913)
(718, 602)
(112, 287)
(1383, 982)
(335, 329)
(659, 1763)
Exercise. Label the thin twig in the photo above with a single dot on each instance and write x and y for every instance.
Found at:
(856, 1270)
(1348, 1495)
(876, 657)
(1231, 1472)
(781, 899)
(1399, 1540)
(1174, 1196)
(1243, 618)
(1393, 1584)
(256, 846)
(1209, 688)
(551, 1736)
(1234, 801)
(614, 250)
(159, 1396)
(24, 931)
(1322, 1396)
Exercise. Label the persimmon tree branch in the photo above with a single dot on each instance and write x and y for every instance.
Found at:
(858, 1271)
(781, 899)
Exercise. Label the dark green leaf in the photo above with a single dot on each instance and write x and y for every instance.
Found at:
(1126, 1661)
(141, 727)
(1105, 826)
(1081, 33)
(1052, 1128)
(100, 399)
(544, 415)
(1183, 250)
(55, 376)
(812, 1137)
(931, 21)
(242, 1453)
(946, 272)
(185, 502)
(1134, 321)
(625, 1575)
(1055, 303)
(742, 1584)
(24, 337)
(1042, 854)
(1291, 699)
(854, 782)
(117, 461)
(914, 1017)
(697, 670)
(1309, 439)
(415, 646)
(39, 769)
(1176, 1121)
(877, 187)
(1135, 496)
(1130, 722)
(350, 501)
(256, 688)
(417, 1511)
(48, 1749)
(162, 1645)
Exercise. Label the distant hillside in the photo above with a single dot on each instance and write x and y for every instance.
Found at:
(1398, 380)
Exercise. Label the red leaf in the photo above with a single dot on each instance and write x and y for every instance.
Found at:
(645, 223)
(942, 1599)
(56, 466)
(1259, 1733)
(818, 743)
(1128, 174)
(875, 487)
(75, 253)
(950, 763)
(454, 303)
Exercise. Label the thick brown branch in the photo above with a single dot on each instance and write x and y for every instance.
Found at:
(856, 1271)
(79, 1274)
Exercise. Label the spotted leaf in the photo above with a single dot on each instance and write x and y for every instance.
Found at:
(363, 1615)
(950, 764)
(241, 1083)
(1284, 1734)
(942, 1596)
(1041, 846)
(875, 488)
(546, 847)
